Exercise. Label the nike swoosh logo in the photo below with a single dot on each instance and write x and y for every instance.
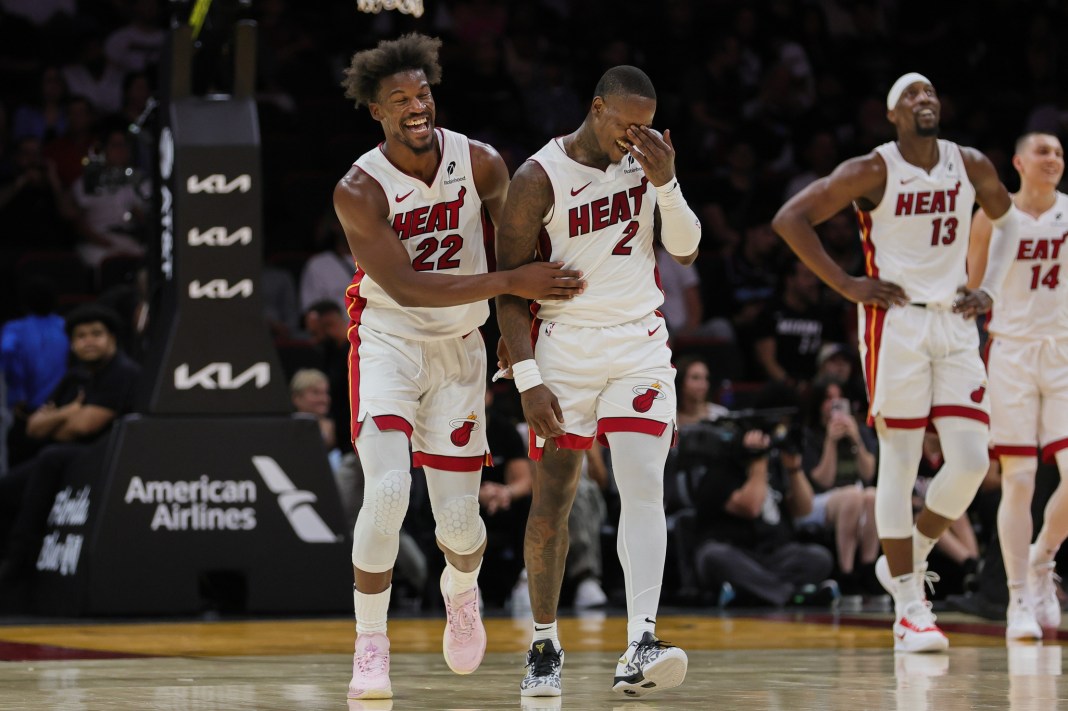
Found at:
(401, 198)
(655, 330)
(575, 192)
(652, 622)
(541, 629)
(906, 182)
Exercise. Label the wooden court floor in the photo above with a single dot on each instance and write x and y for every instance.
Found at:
(773, 662)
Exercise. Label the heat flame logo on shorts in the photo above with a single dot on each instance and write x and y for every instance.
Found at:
(645, 395)
(462, 427)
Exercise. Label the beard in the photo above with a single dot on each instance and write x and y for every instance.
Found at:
(926, 132)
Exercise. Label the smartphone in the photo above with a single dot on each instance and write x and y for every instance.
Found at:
(840, 404)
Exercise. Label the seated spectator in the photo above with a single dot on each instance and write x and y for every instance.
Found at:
(69, 151)
(328, 274)
(47, 118)
(790, 332)
(838, 363)
(280, 309)
(327, 326)
(745, 507)
(584, 569)
(98, 387)
(504, 499)
(309, 391)
(692, 388)
(840, 461)
(33, 357)
(110, 202)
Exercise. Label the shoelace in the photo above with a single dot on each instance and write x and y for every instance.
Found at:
(371, 662)
(920, 614)
(462, 617)
(928, 580)
(544, 664)
(1047, 578)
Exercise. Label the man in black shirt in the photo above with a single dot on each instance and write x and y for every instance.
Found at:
(98, 387)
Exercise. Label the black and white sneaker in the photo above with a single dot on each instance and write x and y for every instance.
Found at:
(543, 670)
(649, 665)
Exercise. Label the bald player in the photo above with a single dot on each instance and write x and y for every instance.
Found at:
(920, 347)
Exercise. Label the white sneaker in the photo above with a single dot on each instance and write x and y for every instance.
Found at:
(589, 594)
(915, 630)
(1020, 621)
(1042, 582)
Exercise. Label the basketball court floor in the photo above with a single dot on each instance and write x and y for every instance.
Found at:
(767, 661)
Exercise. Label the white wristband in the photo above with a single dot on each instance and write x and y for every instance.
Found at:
(526, 374)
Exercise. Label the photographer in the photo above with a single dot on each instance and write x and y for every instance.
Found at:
(745, 504)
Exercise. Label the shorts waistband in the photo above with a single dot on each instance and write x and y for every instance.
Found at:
(931, 306)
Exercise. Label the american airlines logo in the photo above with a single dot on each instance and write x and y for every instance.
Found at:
(295, 503)
(217, 184)
(219, 237)
(220, 289)
(220, 376)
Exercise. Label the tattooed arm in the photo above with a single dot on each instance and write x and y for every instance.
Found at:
(529, 198)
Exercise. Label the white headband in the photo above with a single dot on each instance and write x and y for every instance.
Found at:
(899, 87)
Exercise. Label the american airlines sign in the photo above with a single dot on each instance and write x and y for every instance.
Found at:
(220, 289)
(220, 376)
(219, 237)
(218, 184)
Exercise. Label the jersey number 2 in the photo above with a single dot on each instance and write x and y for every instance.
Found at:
(623, 247)
(424, 261)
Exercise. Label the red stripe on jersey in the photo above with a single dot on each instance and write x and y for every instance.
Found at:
(968, 413)
(450, 464)
(874, 320)
(1048, 450)
(354, 305)
(1016, 450)
(864, 222)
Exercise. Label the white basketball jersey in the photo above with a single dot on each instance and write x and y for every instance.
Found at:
(917, 237)
(442, 227)
(601, 223)
(1032, 297)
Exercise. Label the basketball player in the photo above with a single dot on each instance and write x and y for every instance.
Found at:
(913, 198)
(414, 212)
(1027, 363)
(599, 366)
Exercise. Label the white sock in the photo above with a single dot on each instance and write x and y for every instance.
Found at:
(371, 610)
(1017, 593)
(921, 547)
(459, 581)
(637, 626)
(905, 591)
(547, 631)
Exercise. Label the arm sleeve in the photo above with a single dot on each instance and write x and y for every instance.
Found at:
(1003, 244)
(680, 230)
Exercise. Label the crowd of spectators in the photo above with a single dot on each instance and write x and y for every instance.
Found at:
(762, 98)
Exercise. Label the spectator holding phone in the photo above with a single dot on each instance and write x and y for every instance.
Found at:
(840, 462)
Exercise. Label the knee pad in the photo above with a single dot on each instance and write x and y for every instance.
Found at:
(376, 535)
(459, 527)
(389, 501)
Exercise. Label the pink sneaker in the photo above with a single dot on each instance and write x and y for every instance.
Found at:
(370, 668)
(464, 642)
